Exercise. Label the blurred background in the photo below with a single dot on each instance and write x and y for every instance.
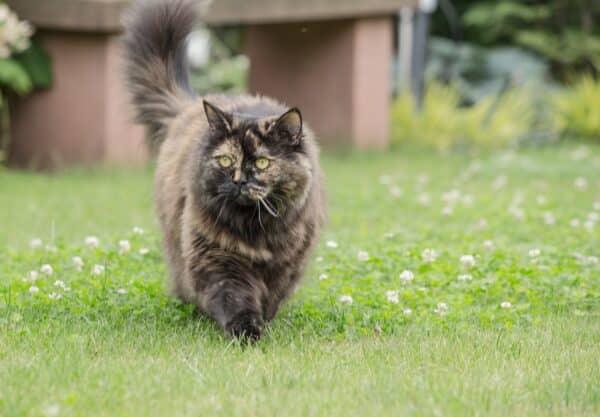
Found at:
(441, 74)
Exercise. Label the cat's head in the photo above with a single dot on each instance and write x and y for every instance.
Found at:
(253, 163)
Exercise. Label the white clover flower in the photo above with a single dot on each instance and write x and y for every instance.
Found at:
(541, 199)
(317, 259)
(122, 291)
(362, 256)
(138, 230)
(52, 410)
(597, 206)
(451, 197)
(124, 246)
(346, 299)
(441, 309)
(505, 304)
(465, 277)
(78, 263)
(407, 276)
(395, 192)
(424, 199)
(389, 235)
(517, 212)
(589, 225)
(581, 183)
(500, 182)
(33, 290)
(549, 218)
(35, 243)
(407, 311)
(33, 276)
(46, 269)
(488, 244)
(592, 260)
(593, 216)
(429, 255)
(59, 283)
(468, 261)
(54, 296)
(92, 241)
(575, 223)
(534, 253)
(448, 211)
(144, 251)
(331, 244)
(392, 297)
(51, 248)
(323, 277)
(98, 270)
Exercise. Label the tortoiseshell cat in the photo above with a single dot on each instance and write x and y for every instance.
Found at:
(238, 187)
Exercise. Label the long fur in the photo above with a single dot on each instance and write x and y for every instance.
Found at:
(155, 61)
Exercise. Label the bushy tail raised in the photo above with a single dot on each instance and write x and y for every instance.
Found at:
(155, 61)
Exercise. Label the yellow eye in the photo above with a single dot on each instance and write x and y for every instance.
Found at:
(262, 163)
(225, 161)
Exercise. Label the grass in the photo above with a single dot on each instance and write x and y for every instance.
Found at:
(117, 345)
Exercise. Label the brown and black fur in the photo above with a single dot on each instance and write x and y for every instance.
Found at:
(237, 239)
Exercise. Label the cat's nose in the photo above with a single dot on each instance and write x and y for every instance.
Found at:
(239, 178)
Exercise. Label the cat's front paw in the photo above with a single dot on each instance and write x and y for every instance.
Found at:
(246, 326)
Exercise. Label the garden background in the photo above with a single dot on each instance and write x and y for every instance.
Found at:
(459, 273)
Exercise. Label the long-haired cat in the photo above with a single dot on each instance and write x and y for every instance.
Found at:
(238, 187)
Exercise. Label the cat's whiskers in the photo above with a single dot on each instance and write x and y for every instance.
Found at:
(259, 219)
(272, 211)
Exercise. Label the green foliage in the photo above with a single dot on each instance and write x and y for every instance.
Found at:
(25, 71)
(492, 122)
(578, 110)
(14, 77)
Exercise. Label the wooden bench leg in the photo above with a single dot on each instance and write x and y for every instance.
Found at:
(337, 72)
(84, 118)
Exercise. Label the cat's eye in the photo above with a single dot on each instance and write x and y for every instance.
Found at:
(225, 161)
(262, 163)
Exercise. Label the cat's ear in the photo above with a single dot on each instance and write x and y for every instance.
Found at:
(289, 126)
(217, 118)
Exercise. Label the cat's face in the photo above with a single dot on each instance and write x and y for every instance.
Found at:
(256, 164)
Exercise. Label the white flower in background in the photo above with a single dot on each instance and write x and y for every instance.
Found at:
(534, 253)
(138, 230)
(581, 183)
(481, 224)
(51, 248)
(92, 242)
(33, 290)
(505, 304)
(407, 276)
(35, 243)
(468, 261)
(451, 197)
(78, 263)
(407, 311)
(46, 269)
(33, 276)
(317, 259)
(488, 244)
(448, 211)
(589, 225)
(144, 251)
(98, 270)
(323, 277)
(389, 235)
(124, 246)
(575, 223)
(424, 199)
(59, 283)
(593, 216)
(331, 244)
(429, 255)
(122, 291)
(541, 200)
(592, 260)
(467, 200)
(500, 182)
(549, 218)
(395, 192)
(55, 296)
(385, 179)
(597, 205)
(362, 256)
(517, 212)
(465, 277)
(441, 309)
(52, 410)
(346, 299)
(14, 33)
(392, 297)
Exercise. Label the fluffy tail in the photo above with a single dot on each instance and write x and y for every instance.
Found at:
(155, 61)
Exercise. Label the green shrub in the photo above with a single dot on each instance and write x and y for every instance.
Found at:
(577, 110)
(492, 122)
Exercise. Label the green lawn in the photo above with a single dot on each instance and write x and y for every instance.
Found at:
(511, 329)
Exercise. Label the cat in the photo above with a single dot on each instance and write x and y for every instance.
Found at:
(239, 192)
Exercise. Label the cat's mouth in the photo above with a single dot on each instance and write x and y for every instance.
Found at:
(250, 194)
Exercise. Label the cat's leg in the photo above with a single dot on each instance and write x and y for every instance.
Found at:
(229, 294)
